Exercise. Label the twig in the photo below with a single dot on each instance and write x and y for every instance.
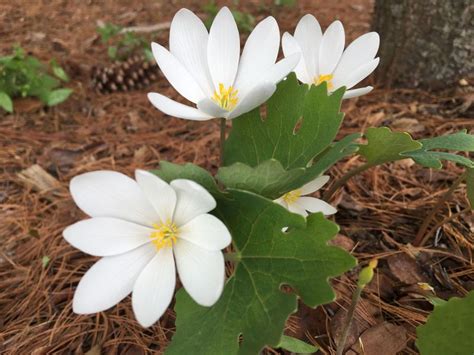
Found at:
(419, 239)
(342, 181)
(146, 29)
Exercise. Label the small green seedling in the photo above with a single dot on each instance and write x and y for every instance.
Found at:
(23, 75)
(122, 44)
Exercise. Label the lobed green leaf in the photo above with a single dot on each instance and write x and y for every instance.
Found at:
(449, 329)
(384, 146)
(268, 179)
(253, 305)
(460, 141)
(300, 123)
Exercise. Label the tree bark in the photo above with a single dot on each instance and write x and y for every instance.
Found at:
(424, 43)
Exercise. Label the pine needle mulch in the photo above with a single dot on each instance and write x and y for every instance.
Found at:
(380, 211)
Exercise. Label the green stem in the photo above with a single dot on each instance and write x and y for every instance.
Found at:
(222, 140)
(348, 321)
(419, 239)
(233, 257)
(343, 180)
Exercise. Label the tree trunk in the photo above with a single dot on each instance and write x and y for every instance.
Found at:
(424, 43)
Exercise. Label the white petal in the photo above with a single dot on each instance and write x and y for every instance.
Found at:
(349, 94)
(359, 52)
(110, 280)
(290, 46)
(254, 98)
(308, 34)
(193, 200)
(314, 205)
(211, 108)
(154, 288)
(314, 185)
(177, 74)
(259, 54)
(105, 236)
(223, 49)
(332, 46)
(358, 75)
(201, 271)
(281, 69)
(112, 194)
(296, 208)
(160, 194)
(188, 43)
(206, 231)
(281, 202)
(176, 109)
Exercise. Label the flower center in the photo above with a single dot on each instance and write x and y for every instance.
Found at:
(324, 78)
(164, 234)
(292, 196)
(226, 98)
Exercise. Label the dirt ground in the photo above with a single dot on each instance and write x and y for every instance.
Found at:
(380, 211)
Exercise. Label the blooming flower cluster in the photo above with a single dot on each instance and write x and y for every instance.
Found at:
(147, 230)
(208, 70)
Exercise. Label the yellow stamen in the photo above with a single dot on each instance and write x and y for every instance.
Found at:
(292, 196)
(324, 78)
(226, 98)
(164, 235)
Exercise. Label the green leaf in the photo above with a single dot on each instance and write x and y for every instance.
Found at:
(268, 179)
(57, 96)
(460, 141)
(253, 304)
(384, 146)
(170, 171)
(59, 72)
(457, 141)
(331, 156)
(112, 52)
(295, 345)
(45, 261)
(271, 180)
(470, 186)
(254, 139)
(6, 102)
(449, 329)
(431, 159)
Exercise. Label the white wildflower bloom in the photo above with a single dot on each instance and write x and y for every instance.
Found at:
(208, 70)
(323, 57)
(296, 201)
(142, 228)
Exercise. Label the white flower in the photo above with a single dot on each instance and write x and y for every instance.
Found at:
(141, 228)
(323, 57)
(205, 67)
(296, 201)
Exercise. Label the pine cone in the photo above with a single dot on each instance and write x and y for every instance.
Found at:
(134, 73)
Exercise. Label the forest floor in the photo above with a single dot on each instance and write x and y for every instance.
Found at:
(380, 211)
